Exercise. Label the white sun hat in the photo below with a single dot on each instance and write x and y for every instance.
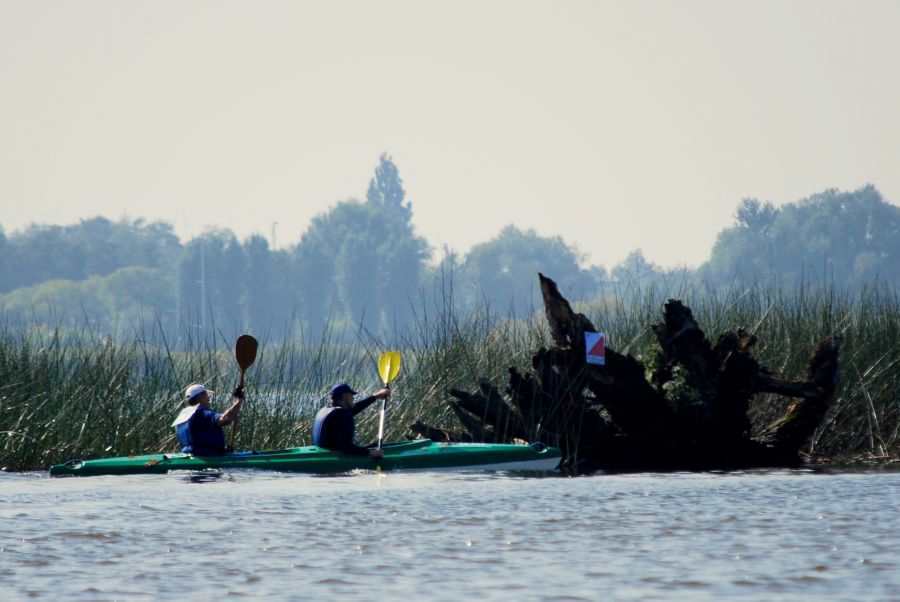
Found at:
(195, 390)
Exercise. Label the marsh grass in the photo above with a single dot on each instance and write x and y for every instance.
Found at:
(70, 393)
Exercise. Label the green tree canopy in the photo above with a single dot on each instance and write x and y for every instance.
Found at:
(93, 247)
(843, 237)
(211, 283)
(118, 303)
(504, 270)
(363, 257)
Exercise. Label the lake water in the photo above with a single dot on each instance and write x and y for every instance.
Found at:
(784, 535)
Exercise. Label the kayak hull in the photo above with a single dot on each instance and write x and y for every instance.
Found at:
(419, 454)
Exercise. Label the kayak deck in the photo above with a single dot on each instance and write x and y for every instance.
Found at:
(419, 454)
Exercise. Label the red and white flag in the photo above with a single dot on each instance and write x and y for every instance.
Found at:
(595, 348)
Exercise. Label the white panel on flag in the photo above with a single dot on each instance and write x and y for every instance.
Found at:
(595, 348)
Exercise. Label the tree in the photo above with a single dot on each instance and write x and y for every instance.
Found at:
(401, 253)
(844, 238)
(93, 247)
(504, 270)
(268, 297)
(362, 261)
(211, 282)
(46, 253)
(321, 249)
(127, 298)
(755, 216)
(7, 281)
(135, 295)
(636, 269)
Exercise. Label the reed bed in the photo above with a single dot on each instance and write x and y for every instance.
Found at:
(71, 393)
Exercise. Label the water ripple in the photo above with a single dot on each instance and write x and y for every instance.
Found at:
(790, 535)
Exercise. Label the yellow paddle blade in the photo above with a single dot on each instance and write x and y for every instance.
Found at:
(395, 365)
(388, 366)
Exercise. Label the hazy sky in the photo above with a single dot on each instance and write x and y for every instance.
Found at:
(617, 125)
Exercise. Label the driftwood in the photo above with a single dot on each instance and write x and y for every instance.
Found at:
(691, 414)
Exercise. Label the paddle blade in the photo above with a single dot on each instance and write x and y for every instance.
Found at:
(245, 351)
(388, 366)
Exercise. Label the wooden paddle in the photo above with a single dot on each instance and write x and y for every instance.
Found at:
(245, 353)
(388, 367)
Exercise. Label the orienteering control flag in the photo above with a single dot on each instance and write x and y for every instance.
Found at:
(595, 348)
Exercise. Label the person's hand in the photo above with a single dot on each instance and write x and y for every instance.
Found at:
(376, 453)
(384, 393)
(239, 393)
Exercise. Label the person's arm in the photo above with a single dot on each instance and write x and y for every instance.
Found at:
(231, 414)
(363, 404)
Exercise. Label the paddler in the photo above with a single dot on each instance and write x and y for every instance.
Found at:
(199, 427)
(335, 425)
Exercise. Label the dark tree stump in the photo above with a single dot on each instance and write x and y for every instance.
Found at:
(690, 415)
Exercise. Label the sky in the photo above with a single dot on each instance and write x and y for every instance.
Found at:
(615, 125)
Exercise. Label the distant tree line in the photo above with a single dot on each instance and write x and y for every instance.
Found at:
(362, 265)
(844, 238)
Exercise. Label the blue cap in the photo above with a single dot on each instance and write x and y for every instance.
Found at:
(338, 390)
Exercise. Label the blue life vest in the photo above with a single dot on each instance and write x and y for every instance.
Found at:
(334, 428)
(198, 432)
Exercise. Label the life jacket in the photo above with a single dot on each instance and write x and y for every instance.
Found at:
(319, 421)
(198, 433)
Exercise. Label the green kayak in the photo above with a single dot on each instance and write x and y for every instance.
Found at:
(419, 454)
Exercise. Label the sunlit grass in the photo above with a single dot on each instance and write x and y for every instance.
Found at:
(75, 394)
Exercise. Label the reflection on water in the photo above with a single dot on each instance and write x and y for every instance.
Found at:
(203, 476)
(789, 535)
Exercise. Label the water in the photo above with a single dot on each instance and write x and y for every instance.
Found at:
(792, 535)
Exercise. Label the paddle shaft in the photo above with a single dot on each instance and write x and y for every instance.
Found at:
(234, 424)
(381, 422)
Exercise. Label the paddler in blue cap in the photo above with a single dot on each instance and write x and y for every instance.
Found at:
(199, 427)
(335, 425)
